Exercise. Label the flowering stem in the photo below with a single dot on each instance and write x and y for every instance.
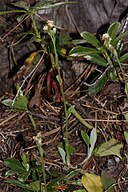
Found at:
(52, 35)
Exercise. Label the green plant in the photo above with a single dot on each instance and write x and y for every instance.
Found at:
(26, 173)
(107, 53)
(20, 103)
(54, 76)
(90, 142)
(50, 46)
(91, 181)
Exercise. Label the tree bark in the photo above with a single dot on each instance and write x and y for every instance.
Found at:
(88, 15)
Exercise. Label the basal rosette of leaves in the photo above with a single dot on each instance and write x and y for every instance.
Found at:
(107, 53)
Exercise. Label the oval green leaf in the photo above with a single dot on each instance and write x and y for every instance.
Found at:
(21, 4)
(111, 147)
(91, 39)
(85, 137)
(80, 51)
(98, 85)
(113, 30)
(97, 59)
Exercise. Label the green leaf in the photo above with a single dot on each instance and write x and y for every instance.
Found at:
(54, 172)
(78, 41)
(21, 4)
(15, 165)
(21, 103)
(85, 137)
(126, 88)
(91, 39)
(96, 58)
(118, 38)
(93, 138)
(79, 117)
(36, 186)
(72, 174)
(107, 181)
(113, 30)
(54, 182)
(25, 161)
(111, 147)
(7, 102)
(59, 79)
(21, 18)
(77, 182)
(126, 136)
(80, 51)
(92, 182)
(24, 176)
(124, 58)
(13, 11)
(71, 148)
(32, 121)
(112, 74)
(62, 154)
(28, 32)
(98, 85)
(40, 6)
(69, 111)
(20, 184)
(10, 173)
(36, 173)
(35, 39)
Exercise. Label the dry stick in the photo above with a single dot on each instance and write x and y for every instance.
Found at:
(106, 120)
(2, 38)
(43, 116)
(8, 119)
(99, 109)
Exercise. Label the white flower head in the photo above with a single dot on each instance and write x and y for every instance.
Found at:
(38, 138)
(106, 37)
(50, 23)
(107, 40)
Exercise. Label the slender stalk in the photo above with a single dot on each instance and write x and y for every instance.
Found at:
(122, 71)
(32, 16)
(64, 100)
